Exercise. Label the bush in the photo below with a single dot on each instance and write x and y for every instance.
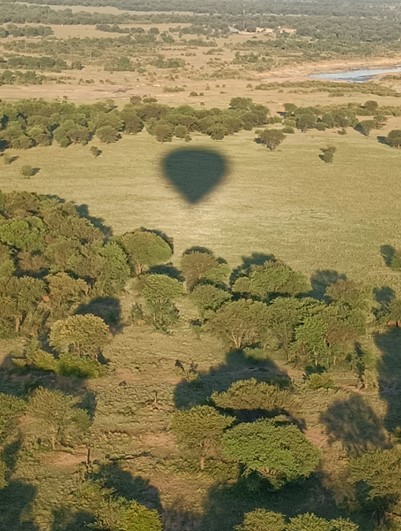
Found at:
(27, 171)
(288, 130)
(95, 151)
(328, 154)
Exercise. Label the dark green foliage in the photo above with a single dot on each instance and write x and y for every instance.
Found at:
(208, 297)
(375, 477)
(239, 324)
(279, 453)
(83, 335)
(271, 279)
(199, 430)
(253, 395)
(145, 249)
(328, 154)
(394, 138)
(56, 418)
(262, 520)
(271, 138)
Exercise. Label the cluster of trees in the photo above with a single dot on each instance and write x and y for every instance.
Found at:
(16, 77)
(53, 262)
(25, 31)
(338, 116)
(29, 123)
(34, 63)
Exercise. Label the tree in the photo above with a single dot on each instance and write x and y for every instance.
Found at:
(64, 292)
(160, 292)
(115, 513)
(262, 520)
(270, 279)
(200, 430)
(328, 154)
(248, 395)
(375, 477)
(145, 249)
(394, 138)
(163, 132)
(271, 138)
(198, 265)
(208, 297)
(366, 126)
(84, 335)
(96, 152)
(240, 324)
(107, 134)
(279, 453)
(311, 522)
(56, 418)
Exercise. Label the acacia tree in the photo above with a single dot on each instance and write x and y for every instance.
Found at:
(56, 418)
(199, 430)
(253, 395)
(262, 520)
(116, 513)
(145, 249)
(197, 265)
(84, 335)
(271, 138)
(278, 453)
(271, 279)
(240, 323)
(375, 476)
(209, 298)
(160, 292)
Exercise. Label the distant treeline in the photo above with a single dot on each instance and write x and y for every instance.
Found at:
(25, 31)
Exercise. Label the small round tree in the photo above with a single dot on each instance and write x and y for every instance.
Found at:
(145, 249)
(271, 138)
(84, 335)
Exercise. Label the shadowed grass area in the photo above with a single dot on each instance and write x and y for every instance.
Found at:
(194, 173)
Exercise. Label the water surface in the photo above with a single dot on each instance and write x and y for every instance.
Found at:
(357, 76)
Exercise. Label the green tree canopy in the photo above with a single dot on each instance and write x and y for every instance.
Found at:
(279, 453)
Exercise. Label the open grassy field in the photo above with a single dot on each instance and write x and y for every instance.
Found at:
(310, 214)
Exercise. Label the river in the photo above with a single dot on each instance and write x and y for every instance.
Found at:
(356, 76)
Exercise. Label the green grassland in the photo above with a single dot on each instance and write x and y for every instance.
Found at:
(288, 202)
(312, 215)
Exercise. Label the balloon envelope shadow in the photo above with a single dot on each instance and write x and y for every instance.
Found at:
(194, 173)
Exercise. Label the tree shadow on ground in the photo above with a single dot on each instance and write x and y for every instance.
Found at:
(65, 520)
(195, 173)
(16, 506)
(238, 366)
(255, 259)
(167, 269)
(322, 279)
(112, 475)
(387, 252)
(389, 374)
(354, 423)
(21, 382)
(108, 309)
(383, 297)
(83, 211)
(226, 505)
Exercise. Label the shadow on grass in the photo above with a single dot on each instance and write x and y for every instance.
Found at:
(322, 279)
(354, 423)
(238, 366)
(389, 375)
(195, 173)
(108, 309)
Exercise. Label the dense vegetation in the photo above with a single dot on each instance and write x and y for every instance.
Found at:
(56, 269)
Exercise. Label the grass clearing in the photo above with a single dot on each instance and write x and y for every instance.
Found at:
(289, 203)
